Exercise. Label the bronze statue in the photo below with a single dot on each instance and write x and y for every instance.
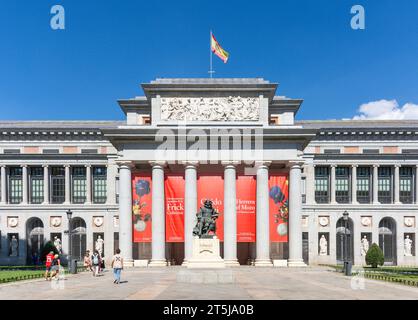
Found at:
(206, 221)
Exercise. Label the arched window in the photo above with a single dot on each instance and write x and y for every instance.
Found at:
(78, 238)
(35, 240)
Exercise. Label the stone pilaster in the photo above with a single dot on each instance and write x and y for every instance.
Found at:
(396, 183)
(125, 212)
(46, 184)
(295, 217)
(25, 181)
(332, 184)
(375, 184)
(354, 184)
(67, 184)
(262, 217)
(88, 184)
(190, 205)
(310, 184)
(230, 214)
(158, 216)
(416, 184)
(3, 186)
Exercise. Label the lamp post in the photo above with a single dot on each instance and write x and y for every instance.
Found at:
(69, 216)
(347, 268)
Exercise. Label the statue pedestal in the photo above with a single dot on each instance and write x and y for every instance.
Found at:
(206, 254)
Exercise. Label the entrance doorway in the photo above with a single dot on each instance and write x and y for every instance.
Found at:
(246, 253)
(341, 244)
(387, 240)
(35, 240)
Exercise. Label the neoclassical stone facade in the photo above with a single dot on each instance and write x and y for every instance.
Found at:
(230, 129)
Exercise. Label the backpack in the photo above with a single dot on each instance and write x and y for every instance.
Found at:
(95, 259)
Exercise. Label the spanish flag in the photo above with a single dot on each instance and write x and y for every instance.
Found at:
(217, 49)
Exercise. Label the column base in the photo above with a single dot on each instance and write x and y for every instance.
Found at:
(157, 263)
(128, 263)
(263, 263)
(232, 263)
(296, 263)
(184, 264)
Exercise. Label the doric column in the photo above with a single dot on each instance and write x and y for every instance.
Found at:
(295, 217)
(67, 184)
(396, 184)
(262, 216)
(25, 181)
(230, 214)
(375, 184)
(158, 216)
(333, 184)
(190, 205)
(354, 184)
(88, 184)
(3, 185)
(125, 212)
(46, 184)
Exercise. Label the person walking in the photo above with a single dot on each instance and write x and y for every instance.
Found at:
(117, 265)
(55, 268)
(95, 259)
(48, 264)
(87, 261)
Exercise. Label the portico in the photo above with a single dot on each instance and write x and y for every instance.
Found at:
(212, 134)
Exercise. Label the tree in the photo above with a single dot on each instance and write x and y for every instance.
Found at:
(374, 256)
(48, 247)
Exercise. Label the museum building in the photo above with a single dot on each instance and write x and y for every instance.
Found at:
(289, 192)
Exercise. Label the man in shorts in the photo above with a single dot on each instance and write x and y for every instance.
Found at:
(48, 264)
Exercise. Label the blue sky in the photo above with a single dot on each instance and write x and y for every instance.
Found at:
(109, 47)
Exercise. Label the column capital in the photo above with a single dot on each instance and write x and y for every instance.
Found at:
(333, 165)
(190, 163)
(88, 165)
(296, 164)
(376, 165)
(128, 164)
(230, 163)
(45, 166)
(397, 165)
(263, 163)
(23, 165)
(158, 163)
(67, 165)
(354, 165)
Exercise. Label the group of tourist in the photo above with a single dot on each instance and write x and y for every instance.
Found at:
(95, 263)
(52, 264)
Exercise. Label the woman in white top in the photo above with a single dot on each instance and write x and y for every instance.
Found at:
(117, 265)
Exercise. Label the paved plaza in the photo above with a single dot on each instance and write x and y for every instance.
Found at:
(250, 283)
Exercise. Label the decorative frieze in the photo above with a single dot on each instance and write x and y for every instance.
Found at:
(210, 109)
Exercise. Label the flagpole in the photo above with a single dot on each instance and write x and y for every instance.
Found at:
(210, 56)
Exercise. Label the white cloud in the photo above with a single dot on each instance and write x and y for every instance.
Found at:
(387, 110)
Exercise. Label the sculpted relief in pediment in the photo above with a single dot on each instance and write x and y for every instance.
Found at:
(210, 109)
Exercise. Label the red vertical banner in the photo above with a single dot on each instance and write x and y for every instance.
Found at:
(142, 207)
(246, 208)
(174, 208)
(211, 187)
(279, 207)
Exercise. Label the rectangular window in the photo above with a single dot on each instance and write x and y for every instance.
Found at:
(406, 183)
(99, 185)
(384, 185)
(57, 185)
(79, 185)
(342, 184)
(322, 184)
(15, 185)
(363, 184)
(36, 185)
